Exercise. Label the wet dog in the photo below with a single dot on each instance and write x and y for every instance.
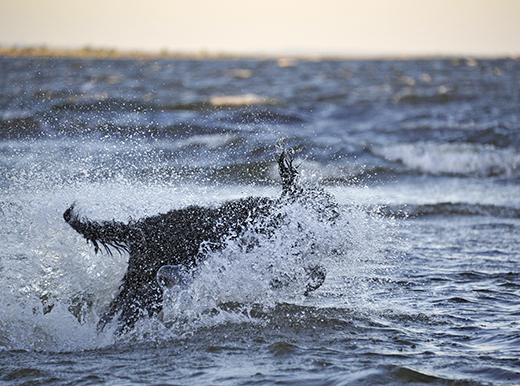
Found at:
(176, 237)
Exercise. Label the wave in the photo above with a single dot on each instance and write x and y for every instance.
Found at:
(452, 158)
(499, 135)
(267, 115)
(447, 208)
(35, 128)
(104, 103)
(439, 95)
(432, 129)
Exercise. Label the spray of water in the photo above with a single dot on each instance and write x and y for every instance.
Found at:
(54, 287)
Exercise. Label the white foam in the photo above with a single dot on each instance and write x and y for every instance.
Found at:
(248, 99)
(452, 158)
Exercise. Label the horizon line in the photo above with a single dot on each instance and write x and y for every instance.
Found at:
(88, 51)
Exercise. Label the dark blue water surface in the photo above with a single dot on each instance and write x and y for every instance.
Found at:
(423, 156)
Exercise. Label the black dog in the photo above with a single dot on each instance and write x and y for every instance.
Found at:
(175, 238)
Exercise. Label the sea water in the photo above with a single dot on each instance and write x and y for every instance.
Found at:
(423, 272)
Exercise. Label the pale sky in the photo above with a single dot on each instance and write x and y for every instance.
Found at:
(347, 27)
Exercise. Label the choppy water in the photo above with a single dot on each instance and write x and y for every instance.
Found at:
(423, 280)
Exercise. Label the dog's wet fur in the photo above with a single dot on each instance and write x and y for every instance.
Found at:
(176, 237)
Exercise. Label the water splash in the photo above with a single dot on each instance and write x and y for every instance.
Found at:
(260, 272)
(55, 286)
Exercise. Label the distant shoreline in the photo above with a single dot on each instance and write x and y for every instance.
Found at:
(107, 53)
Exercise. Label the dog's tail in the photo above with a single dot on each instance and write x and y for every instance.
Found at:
(106, 234)
(289, 174)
